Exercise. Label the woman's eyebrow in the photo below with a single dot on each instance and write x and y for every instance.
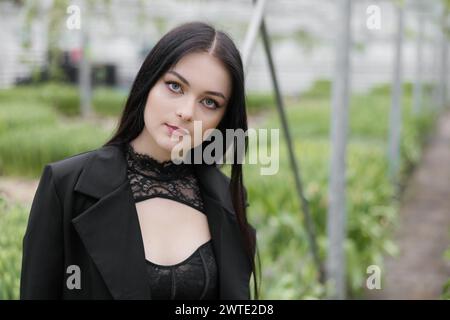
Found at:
(183, 79)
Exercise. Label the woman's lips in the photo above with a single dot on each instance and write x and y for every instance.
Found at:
(176, 130)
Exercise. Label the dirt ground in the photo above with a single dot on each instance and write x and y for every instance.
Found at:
(18, 190)
(423, 234)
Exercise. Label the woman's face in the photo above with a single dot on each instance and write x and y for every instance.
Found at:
(197, 88)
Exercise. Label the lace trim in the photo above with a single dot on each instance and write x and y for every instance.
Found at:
(151, 178)
(149, 166)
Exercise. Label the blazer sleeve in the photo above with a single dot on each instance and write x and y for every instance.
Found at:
(42, 271)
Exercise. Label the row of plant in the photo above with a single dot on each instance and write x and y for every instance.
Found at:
(13, 219)
(288, 271)
(32, 134)
(106, 101)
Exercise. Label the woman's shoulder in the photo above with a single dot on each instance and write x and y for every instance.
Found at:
(72, 163)
(71, 167)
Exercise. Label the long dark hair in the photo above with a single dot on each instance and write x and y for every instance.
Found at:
(178, 42)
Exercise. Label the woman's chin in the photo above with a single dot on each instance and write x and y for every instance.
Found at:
(167, 145)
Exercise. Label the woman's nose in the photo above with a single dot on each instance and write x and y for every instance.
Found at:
(186, 111)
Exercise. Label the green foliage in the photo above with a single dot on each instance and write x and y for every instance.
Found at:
(311, 117)
(15, 115)
(32, 134)
(279, 221)
(288, 272)
(13, 219)
(257, 102)
(446, 291)
(415, 133)
(320, 89)
(385, 89)
(446, 287)
(65, 98)
(25, 151)
(108, 102)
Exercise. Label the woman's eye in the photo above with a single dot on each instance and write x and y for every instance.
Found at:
(212, 104)
(174, 86)
(209, 103)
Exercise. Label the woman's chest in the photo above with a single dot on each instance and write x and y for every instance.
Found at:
(171, 231)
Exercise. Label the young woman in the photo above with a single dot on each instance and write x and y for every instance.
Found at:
(125, 221)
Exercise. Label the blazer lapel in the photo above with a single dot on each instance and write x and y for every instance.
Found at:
(111, 233)
(110, 228)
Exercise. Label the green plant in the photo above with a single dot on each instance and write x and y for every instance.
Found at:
(13, 219)
(257, 102)
(319, 89)
(24, 152)
(288, 272)
(15, 115)
(371, 205)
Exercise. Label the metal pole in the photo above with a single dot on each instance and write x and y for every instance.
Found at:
(435, 67)
(417, 105)
(294, 166)
(336, 224)
(258, 23)
(443, 70)
(85, 65)
(396, 107)
(252, 33)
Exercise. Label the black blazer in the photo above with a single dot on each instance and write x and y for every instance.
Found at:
(84, 214)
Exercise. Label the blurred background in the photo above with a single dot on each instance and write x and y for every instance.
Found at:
(373, 224)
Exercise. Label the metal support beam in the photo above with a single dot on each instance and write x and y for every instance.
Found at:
(256, 24)
(336, 220)
(252, 33)
(395, 118)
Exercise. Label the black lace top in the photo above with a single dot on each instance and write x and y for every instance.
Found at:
(195, 277)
